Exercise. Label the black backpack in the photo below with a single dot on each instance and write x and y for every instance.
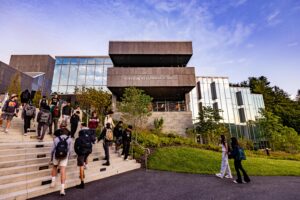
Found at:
(43, 103)
(61, 150)
(83, 144)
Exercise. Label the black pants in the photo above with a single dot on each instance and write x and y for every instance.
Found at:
(106, 146)
(238, 166)
(55, 123)
(44, 126)
(27, 123)
(73, 129)
(126, 147)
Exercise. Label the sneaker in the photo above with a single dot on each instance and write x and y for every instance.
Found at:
(52, 185)
(122, 156)
(85, 166)
(227, 176)
(219, 175)
(235, 181)
(80, 186)
(62, 192)
(6, 131)
(126, 159)
(25, 134)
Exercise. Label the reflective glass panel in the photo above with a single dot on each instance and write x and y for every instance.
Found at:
(90, 74)
(71, 89)
(58, 61)
(56, 74)
(81, 75)
(62, 89)
(98, 75)
(99, 60)
(83, 60)
(74, 61)
(90, 61)
(73, 75)
(64, 75)
(66, 61)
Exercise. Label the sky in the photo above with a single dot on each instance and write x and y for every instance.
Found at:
(234, 38)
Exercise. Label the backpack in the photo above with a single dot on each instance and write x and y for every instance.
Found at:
(61, 149)
(109, 136)
(44, 117)
(43, 103)
(241, 154)
(83, 144)
(56, 111)
(29, 111)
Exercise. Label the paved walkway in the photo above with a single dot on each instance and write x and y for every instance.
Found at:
(157, 185)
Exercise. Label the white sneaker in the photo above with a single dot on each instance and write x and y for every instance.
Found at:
(6, 131)
(62, 192)
(85, 166)
(227, 176)
(122, 156)
(52, 185)
(219, 175)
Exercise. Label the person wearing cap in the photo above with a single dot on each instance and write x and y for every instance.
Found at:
(62, 130)
(10, 110)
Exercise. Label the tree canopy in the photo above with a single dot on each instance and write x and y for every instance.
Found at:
(15, 85)
(134, 106)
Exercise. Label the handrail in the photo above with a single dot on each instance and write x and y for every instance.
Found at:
(146, 152)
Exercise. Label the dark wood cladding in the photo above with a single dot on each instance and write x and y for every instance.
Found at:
(35, 63)
(150, 48)
(150, 54)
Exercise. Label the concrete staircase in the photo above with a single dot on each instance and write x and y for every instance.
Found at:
(25, 169)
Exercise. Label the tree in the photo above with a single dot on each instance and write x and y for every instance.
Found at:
(96, 99)
(209, 127)
(37, 98)
(15, 85)
(279, 136)
(134, 106)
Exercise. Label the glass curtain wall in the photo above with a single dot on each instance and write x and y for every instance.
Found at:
(239, 108)
(72, 72)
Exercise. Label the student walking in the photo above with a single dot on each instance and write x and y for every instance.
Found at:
(62, 130)
(60, 154)
(225, 168)
(28, 113)
(10, 109)
(25, 97)
(126, 141)
(238, 155)
(55, 113)
(66, 112)
(83, 147)
(118, 133)
(93, 123)
(107, 137)
(44, 120)
(54, 100)
(43, 102)
(74, 123)
(108, 119)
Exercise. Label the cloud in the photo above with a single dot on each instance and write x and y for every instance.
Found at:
(273, 19)
(293, 44)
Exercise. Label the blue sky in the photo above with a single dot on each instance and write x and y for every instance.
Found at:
(234, 38)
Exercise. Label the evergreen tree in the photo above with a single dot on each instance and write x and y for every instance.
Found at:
(15, 85)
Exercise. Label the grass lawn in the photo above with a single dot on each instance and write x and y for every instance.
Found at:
(193, 160)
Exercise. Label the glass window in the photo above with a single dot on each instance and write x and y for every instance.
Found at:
(90, 61)
(99, 60)
(58, 61)
(64, 75)
(62, 89)
(90, 74)
(242, 115)
(81, 75)
(54, 88)
(66, 61)
(73, 75)
(98, 75)
(56, 74)
(108, 61)
(198, 90)
(71, 89)
(239, 98)
(74, 61)
(213, 91)
(83, 60)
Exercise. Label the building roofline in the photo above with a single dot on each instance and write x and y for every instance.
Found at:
(223, 77)
(82, 56)
(32, 55)
(149, 41)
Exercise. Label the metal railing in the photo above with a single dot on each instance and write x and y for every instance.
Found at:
(146, 152)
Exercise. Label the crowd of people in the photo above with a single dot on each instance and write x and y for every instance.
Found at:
(55, 117)
(57, 113)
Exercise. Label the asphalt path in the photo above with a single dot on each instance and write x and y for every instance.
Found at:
(159, 185)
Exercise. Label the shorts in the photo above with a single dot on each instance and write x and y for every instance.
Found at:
(60, 162)
(81, 159)
(7, 116)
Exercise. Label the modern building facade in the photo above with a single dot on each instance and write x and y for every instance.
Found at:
(238, 106)
(34, 72)
(158, 68)
(72, 72)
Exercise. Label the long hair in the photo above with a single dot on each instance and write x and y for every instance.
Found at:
(234, 142)
(223, 141)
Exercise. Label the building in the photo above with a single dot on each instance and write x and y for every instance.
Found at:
(32, 81)
(238, 106)
(160, 69)
(79, 71)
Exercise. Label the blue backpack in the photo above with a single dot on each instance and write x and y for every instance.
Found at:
(241, 154)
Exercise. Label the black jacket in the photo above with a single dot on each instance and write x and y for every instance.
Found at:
(67, 110)
(118, 131)
(126, 137)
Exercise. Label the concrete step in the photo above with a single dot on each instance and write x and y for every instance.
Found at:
(70, 182)
(18, 145)
(71, 174)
